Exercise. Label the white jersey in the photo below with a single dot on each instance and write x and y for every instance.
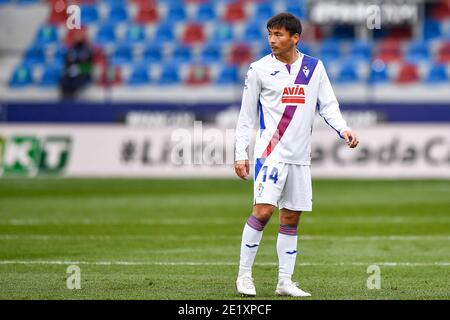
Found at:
(286, 98)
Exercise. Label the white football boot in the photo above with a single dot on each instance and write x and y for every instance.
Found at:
(245, 286)
(286, 287)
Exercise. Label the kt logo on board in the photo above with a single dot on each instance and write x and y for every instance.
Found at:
(29, 155)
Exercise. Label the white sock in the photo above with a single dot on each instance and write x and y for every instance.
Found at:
(251, 237)
(287, 251)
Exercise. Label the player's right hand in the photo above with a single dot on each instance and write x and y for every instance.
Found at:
(242, 169)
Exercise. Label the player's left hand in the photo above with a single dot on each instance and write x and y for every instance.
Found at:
(350, 138)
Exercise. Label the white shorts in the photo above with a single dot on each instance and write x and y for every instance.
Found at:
(284, 185)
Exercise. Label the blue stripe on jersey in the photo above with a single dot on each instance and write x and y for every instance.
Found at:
(339, 134)
(258, 165)
(262, 124)
(308, 66)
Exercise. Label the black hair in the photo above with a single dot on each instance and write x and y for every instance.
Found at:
(287, 20)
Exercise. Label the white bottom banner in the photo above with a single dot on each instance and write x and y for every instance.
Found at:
(388, 151)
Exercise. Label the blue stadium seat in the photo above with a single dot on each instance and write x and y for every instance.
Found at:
(378, 74)
(175, 14)
(2, 2)
(34, 55)
(211, 53)
(437, 74)
(152, 54)
(205, 12)
(264, 11)
(89, 14)
(139, 75)
(296, 7)
(228, 75)
(115, 2)
(347, 73)
(329, 50)
(181, 54)
(21, 77)
(135, 34)
(305, 48)
(252, 33)
(106, 33)
(223, 33)
(117, 14)
(169, 76)
(50, 76)
(122, 55)
(431, 29)
(59, 55)
(26, 2)
(164, 33)
(417, 51)
(360, 51)
(47, 34)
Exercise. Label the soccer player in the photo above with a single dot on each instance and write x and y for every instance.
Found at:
(282, 92)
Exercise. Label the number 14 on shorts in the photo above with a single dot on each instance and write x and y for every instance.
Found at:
(272, 176)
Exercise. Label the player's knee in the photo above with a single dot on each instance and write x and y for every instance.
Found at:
(263, 212)
(290, 219)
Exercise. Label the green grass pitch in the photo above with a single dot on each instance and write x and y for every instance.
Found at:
(180, 239)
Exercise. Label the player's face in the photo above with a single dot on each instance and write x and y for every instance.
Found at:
(281, 41)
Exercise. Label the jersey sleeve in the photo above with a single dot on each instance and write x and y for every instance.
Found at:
(248, 114)
(328, 105)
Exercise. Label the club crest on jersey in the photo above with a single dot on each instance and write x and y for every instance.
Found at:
(306, 71)
(294, 94)
(260, 189)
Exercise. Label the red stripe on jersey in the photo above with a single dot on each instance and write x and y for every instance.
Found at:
(293, 100)
(281, 128)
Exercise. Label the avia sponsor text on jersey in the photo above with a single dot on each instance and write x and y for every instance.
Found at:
(293, 94)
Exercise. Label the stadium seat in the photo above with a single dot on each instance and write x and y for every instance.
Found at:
(205, 12)
(164, 33)
(240, 53)
(57, 14)
(51, 75)
(378, 73)
(122, 55)
(59, 54)
(89, 14)
(110, 76)
(115, 2)
(444, 53)
(47, 34)
(417, 52)
(169, 76)
(264, 11)
(211, 53)
(408, 74)
(347, 73)
(193, 33)
(181, 55)
(139, 75)
(117, 14)
(234, 12)
(360, 51)
(297, 8)
(134, 34)
(305, 48)
(223, 33)
(389, 50)
(106, 33)
(252, 33)
(228, 75)
(175, 14)
(21, 77)
(147, 12)
(329, 50)
(431, 29)
(152, 54)
(437, 74)
(34, 55)
(198, 75)
(26, 2)
(441, 11)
